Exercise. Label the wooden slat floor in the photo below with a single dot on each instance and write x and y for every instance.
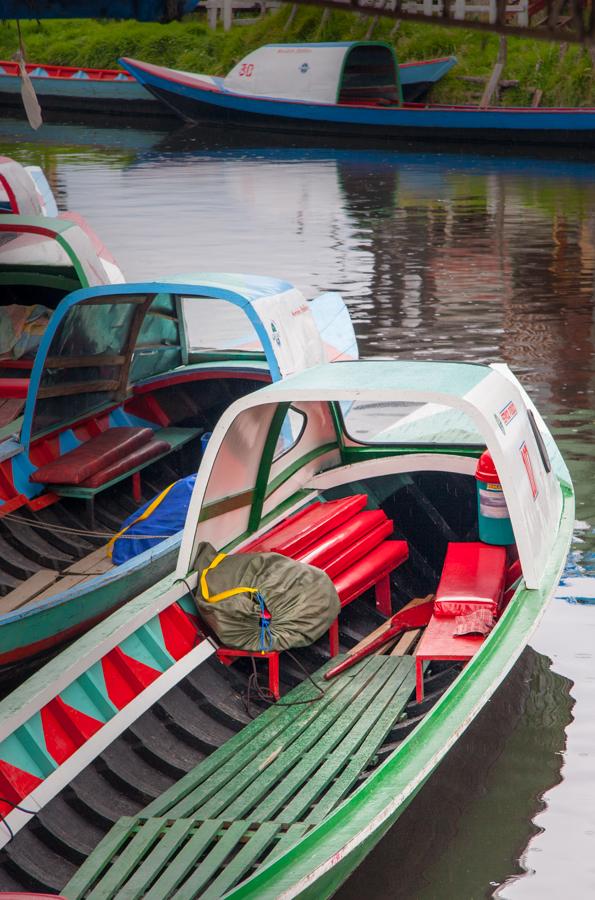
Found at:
(257, 794)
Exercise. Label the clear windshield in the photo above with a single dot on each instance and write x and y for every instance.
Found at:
(408, 423)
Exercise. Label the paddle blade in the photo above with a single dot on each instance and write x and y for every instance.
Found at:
(30, 102)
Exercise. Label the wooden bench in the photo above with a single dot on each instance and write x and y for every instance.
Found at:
(162, 442)
(347, 542)
(473, 577)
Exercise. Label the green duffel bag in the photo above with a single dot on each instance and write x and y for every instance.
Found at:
(233, 591)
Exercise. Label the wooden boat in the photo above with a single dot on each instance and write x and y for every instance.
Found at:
(348, 90)
(172, 355)
(116, 92)
(169, 779)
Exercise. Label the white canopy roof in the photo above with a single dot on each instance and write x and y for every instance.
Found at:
(489, 399)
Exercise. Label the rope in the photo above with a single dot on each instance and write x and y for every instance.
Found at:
(83, 532)
(30, 812)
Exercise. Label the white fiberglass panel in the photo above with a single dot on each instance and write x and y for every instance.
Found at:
(294, 72)
(213, 324)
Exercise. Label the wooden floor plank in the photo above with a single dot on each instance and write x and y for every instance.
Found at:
(125, 863)
(62, 584)
(215, 859)
(238, 798)
(157, 860)
(373, 635)
(185, 861)
(406, 643)
(96, 562)
(361, 758)
(236, 869)
(94, 865)
(28, 590)
(250, 739)
(336, 743)
(224, 784)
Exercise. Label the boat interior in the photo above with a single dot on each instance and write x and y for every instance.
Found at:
(384, 541)
(370, 75)
(106, 427)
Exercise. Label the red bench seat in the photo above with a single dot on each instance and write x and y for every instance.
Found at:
(345, 541)
(93, 456)
(138, 457)
(473, 577)
(14, 388)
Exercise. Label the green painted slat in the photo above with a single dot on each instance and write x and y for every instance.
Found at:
(92, 684)
(157, 860)
(232, 755)
(216, 858)
(94, 865)
(235, 870)
(287, 840)
(365, 753)
(384, 710)
(185, 861)
(338, 741)
(126, 862)
(257, 784)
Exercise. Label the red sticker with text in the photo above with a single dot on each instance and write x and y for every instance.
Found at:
(529, 468)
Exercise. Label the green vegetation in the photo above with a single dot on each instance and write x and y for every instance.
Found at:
(565, 75)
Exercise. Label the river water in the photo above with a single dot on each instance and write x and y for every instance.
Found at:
(439, 256)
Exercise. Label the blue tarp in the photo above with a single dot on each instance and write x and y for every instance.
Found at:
(144, 10)
(166, 519)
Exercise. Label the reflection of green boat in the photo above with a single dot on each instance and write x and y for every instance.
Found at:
(292, 803)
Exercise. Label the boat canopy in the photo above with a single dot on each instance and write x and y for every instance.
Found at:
(52, 253)
(269, 445)
(18, 192)
(101, 341)
(349, 71)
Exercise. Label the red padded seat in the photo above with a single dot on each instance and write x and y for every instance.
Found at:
(95, 455)
(297, 533)
(14, 388)
(472, 577)
(368, 571)
(127, 463)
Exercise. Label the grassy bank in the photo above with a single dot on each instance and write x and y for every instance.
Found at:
(565, 75)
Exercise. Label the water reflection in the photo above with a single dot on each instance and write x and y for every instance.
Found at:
(452, 843)
(439, 256)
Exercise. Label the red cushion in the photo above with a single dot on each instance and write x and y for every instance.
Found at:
(472, 577)
(297, 533)
(93, 456)
(14, 388)
(349, 542)
(136, 458)
(368, 571)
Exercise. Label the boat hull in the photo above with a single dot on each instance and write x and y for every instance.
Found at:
(184, 95)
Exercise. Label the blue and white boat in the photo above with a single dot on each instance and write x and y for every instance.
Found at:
(351, 89)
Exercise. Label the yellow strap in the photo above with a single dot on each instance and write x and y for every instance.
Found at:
(150, 508)
(224, 594)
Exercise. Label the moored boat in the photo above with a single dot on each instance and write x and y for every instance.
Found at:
(435, 500)
(126, 381)
(350, 90)
(116, 92)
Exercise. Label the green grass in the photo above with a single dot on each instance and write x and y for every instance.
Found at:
(566, 78)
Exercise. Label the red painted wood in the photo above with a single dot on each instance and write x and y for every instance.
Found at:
(472, 577)
(125, 677)
(181, 631)
(383, 598)
(15, 784)
(368, 571)
(65, 729)
(440, 642)
(346, 557)
(14, 388)
(326, 551)
(137, 491)
(299, 533)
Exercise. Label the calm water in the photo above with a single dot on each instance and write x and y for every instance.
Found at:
(438, 257)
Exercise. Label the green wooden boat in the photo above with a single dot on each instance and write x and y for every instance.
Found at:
(443, 558)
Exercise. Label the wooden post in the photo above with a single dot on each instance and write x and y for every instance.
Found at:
(290, 17)
(492, 85)
(227, 14)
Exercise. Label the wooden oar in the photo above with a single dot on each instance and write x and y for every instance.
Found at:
(415, 614)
